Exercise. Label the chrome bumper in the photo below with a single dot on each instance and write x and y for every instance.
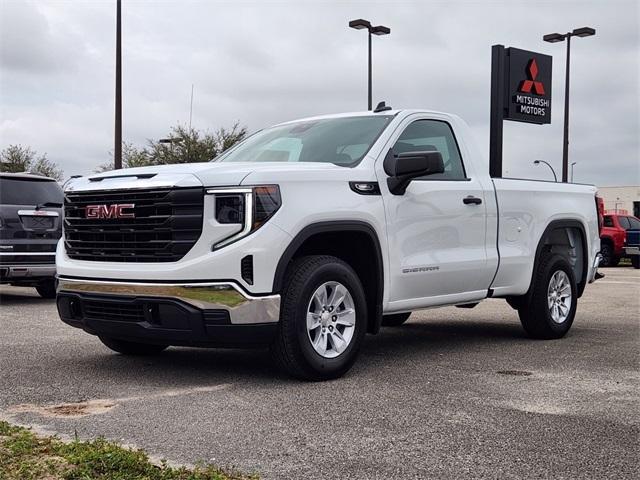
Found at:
(632, 250)
(243, 308)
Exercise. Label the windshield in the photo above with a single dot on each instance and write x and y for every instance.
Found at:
(29, 192)
(343, 141)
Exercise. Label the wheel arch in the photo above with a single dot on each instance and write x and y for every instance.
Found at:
(607, 239)
(319, 238)
(552, 235)
(557, 232)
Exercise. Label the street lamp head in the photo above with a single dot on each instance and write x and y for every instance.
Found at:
(536, 162)
(554, 37)
(359, 24)
(380, 30)
(584, 32)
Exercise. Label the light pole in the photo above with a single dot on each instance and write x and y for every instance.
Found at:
(559, 37)
(572, 164)
(117, 140)
(377, 30)
(538, 162)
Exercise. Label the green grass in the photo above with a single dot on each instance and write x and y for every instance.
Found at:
(26, 456)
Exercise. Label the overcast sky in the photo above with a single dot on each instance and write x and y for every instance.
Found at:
(264, 62)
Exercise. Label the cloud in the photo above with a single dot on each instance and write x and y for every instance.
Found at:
(267, 62)
(29, 43)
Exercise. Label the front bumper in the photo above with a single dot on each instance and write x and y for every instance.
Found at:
(632, 250)
(26, 272)
(199, 314)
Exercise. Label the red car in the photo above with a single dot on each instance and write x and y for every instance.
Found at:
(613, 236)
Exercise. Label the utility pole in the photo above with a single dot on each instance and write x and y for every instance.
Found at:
(117, 147)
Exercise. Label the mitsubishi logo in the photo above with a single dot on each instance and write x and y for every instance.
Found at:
(531, 84)
(110, 211)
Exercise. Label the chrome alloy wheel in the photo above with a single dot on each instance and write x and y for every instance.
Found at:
(559, 296)
(331, 319)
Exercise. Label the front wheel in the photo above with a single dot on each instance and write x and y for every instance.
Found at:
(132, 348)
(608, 257)
(323, 315)
(551, 308)
(635, 261)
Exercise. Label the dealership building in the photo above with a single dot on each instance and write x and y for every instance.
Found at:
(624, 200)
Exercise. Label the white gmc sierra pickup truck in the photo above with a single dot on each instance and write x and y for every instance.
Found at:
(309, 234)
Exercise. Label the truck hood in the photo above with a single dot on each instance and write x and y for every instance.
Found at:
(207, 174)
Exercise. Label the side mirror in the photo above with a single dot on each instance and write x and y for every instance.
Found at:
(406, 166)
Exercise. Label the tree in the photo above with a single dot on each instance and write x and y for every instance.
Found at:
(17, 158)
(182, 145)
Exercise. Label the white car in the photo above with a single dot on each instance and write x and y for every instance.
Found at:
(309, 234)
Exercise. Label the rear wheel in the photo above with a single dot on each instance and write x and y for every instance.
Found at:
(322, 319)
(551, 308)
(608, 257)
(395, 320)
(132, 348)
(47, 289)
(635, 261)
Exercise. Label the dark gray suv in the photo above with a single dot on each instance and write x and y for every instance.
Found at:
(30, 227)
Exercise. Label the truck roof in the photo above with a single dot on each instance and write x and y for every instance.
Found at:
(26, 176)
(366, 113)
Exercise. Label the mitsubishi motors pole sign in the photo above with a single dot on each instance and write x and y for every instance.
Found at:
(528, 86)
(520, 91)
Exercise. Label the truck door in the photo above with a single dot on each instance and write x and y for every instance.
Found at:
(437, 230)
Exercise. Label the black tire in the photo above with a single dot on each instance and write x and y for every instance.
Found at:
(292, 349)
(395, 320)
(635, 261)
(535, 315)
(132, 348)
(47, 289)
(608, 257)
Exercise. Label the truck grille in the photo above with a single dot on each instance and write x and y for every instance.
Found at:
(28, 259)
(167, 224)
(121, 312)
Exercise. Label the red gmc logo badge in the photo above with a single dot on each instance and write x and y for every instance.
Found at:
(110, 211)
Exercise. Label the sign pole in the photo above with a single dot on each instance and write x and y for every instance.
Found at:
(497, 110)
(520, 92)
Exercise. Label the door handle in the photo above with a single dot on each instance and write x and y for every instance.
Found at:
(471, 200)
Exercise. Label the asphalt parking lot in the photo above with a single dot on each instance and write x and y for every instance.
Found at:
(453, 393)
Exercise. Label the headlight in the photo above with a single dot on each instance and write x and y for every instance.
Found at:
(230, 208)
(250, 207)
